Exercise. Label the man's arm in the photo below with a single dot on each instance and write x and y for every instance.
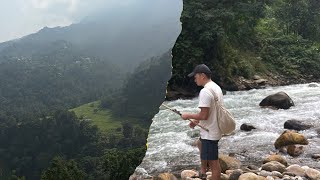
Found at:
(202, 115)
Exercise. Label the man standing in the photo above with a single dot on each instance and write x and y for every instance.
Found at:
(207, 117)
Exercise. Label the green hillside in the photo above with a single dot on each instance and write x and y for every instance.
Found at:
(103, 118)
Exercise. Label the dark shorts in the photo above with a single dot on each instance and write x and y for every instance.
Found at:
(209, 149)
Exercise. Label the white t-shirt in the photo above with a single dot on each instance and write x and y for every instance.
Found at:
(206, 99)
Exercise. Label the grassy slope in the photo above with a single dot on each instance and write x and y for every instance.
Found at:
(103, 118)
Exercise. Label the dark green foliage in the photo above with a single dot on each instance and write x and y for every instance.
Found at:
(143, 91)
(46, 82)
(292, 56)
(120, 164)
(29, 146)
(242, 38)
(61, 169)
(211, 34)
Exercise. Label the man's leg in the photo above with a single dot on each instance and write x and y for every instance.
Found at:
(215, 169)
(204, 163)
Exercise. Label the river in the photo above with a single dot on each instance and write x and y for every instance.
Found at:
(171, 142)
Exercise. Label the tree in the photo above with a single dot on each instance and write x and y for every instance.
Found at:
(61, 169)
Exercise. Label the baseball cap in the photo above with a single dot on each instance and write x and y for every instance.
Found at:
(201, 68)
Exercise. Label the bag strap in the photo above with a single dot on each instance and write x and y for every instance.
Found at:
(213, 94)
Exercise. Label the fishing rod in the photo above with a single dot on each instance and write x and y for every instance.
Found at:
(179, 113)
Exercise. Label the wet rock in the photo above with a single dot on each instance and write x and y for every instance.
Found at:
(140, 173)
(286, 173)
(272, 174)
(265, 173)
(235, 175)
(253, 167)
(247, 127)
(313, 85)
(256, 77)
(229, 172)
(261, 81)
(290, 138)
(313, 174)
(316, 156)
(276, 157)
(279, 100)
(251, 176)
(296, 170)
(223, 177)
(166, 176)
(294, 150)
(188, 173)
(274, 166)
(296, 125)
(227, 162)
(247, 176)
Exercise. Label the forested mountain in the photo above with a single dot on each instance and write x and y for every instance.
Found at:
(124, 51)
(56, 142)
(110, 35)
(271, 38)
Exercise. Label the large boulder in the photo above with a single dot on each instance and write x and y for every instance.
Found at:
(276, 157)
(313, 174)
(227, 162)
(185, 174)
(296, 170)
(273, 166)
(251, 176)
(247, 127)
(296, 125)
(290, 138)
(280, 100)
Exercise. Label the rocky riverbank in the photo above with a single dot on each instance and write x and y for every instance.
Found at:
(240, 84)
(288, 156)
(271, 167)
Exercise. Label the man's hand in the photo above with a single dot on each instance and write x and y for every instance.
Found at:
(185, 116)
(193, 124)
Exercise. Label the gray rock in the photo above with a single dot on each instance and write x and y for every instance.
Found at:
(247, 127)
(235, 175)
(280, 100)
(316, 156)
(296, 170)
(296, 125)
(313, 174)
(313, 85)
(274, 166)
(277, 174)
(256, 77)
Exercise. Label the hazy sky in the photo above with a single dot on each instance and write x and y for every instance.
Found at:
(22, 17)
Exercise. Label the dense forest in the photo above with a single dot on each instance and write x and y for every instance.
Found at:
(44, 76)
(243, 38)
(41, 139)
